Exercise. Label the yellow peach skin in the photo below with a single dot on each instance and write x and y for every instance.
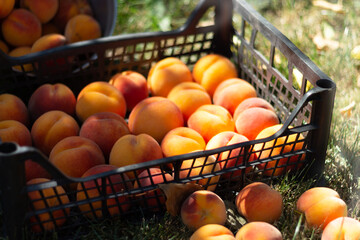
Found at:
(258, 230)
(44, 10)
(82, 27)
(212, 232)
(313, 195)
(15, 131)
(342, 228)
(48, 41)
(6, 6)
(13, 108)
(18, 52)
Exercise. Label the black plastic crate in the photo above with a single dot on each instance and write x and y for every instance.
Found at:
(237, 32)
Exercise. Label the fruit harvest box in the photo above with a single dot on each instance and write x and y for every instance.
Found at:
(301, 94)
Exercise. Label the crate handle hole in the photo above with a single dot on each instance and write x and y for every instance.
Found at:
(325, 83)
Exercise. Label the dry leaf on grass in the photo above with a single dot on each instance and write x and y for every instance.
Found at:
(325, 44)
(346, 111)
(335, 7)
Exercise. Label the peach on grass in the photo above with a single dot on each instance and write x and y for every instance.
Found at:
(19, 52)
(258, 230)
(313, 195)
(259, 202)
(252, 102)
(13, 108)
(212, 232)
(203, 207)
(342, 228)
(82, 27)
(15, 131)
(6, 6)
(44, 10)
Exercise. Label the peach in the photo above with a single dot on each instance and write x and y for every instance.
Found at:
(13, 108)
(130, 149)
(104, 128)
(91, 189)
(4, 47)
(182, 140)
(212, 69)
(252, 102)
(203, 207)
(74, 155)
(48, 97)
(282, 145)
(15, 131)
(155, 116)
(166, 74)
(48, 41)
(21, 28)
(44, 10)
(189, 96)
(82, 27)
(259, 202)
(6, 6)
(252, 121)
(99, 97)
(209, 120)
(212, 232)
(50, 128)
(342, 228)
(231, 92)
(19, 52)
(35, 170)
(313, 195)
(132, 85)
(48, 198)
(258, 230)
(225, 159)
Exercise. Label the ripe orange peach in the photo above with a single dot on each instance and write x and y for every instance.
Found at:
(155, 116)
(48, 41)
(15, 131)
(13, 108)
(82, 27)
(211, 70)
(189, 96)
(93, 188)
(50, 128)
(104, 128)
(259, 202)
(166, 74)
(49, 97)
(19, 52)
(44, 10)
(342, 228)
(203, 207)
(313, 195)
(48, 198)
(258, 230)
(132, 85)
(6, 7)
(231, 92)
(21, 28)
(252, 102)
(99, 97)
(130, 149)
(4, 47)
(212, 232)
(210, 120)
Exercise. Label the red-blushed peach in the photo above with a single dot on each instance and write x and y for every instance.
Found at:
(48, 198)
(6, 6)
(155, 116)
(282, 145)
(19, 52)
(203, 207)
(4, 47)
(132, 85)
(82, 27)
(166, 74)
(35, 170)
(91, 189)
(182, 140)
(99, 97)
(15, 131)
(259, 202)
(231, 92)
(21, 28)
(189, 96)
(258, 230)
(209, 120)
(48, 41)
(212, 232)
(252, 121)
(130, 149)
(313, 195)
(13, 108)
(48, 97)
(44, 10)
(252, 102)
(154, 199)
(50, 128)
(342, 228)
(212, 69)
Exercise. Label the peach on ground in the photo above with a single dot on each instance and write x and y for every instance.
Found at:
(209, 120)
(166, 74)
(132, 85)
(21, 28)
(182, 140)
(189, 96)
(82, 27)
(131, 149)
(258, 230)
(283, 145)
(44, 10)
(212, 69)
(252, 121)
(19, 52)
(203, 207)
(231, 92)
(259, 202)
(48, 97)
(155, 116)
(91, 189)
(50, 28)
(15, 131)
(342, 228)
(50, 197)
(13, 108)
(252, 102)
(4, 47)
(48, 41)
(212, 232)
(52, 127)
(99, 97)
(6, 6)
(199, 167)
(313, 195)
(236, 157)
